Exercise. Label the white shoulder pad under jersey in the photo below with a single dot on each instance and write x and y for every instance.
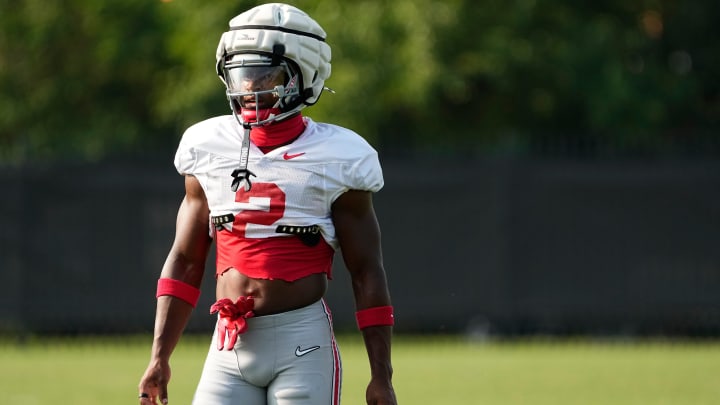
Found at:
(294, 184)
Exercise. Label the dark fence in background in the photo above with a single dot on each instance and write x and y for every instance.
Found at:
(503, 246)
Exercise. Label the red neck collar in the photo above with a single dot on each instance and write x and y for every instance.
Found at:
(269, 137)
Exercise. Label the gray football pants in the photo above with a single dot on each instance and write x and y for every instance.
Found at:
(283, 359)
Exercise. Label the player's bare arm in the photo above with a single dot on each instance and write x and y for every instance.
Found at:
(185, 263)
(359, 235)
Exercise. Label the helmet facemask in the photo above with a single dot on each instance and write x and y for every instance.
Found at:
(262, 89)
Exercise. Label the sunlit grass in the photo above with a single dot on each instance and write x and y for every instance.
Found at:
(436, 370)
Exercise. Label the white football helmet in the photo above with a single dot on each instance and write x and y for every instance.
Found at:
(274, 53)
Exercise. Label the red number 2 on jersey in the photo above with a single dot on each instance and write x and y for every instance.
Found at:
(268, 214)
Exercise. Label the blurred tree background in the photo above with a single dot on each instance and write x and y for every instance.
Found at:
(91, 79)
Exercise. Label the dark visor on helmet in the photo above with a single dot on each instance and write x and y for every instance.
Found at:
(249, 79)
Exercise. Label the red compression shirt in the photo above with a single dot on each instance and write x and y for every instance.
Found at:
(283, 257)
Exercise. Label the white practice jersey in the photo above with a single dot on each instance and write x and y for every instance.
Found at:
(295, 184)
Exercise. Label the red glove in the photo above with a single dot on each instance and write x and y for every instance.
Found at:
(232, 319)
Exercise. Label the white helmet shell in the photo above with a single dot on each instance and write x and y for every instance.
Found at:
(284, 31)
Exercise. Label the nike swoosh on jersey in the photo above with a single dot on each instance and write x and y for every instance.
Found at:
(301, 352)
(288, 156)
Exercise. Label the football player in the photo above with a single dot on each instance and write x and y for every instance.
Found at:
(278, 194)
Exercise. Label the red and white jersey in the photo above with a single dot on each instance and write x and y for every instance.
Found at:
(294, 185)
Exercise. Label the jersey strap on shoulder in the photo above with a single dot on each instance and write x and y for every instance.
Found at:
(309, 235)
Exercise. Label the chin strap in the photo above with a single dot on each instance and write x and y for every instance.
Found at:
(241, 175)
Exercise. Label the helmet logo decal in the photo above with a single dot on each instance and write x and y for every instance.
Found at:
(291, 84)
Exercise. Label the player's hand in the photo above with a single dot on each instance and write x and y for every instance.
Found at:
(380, 392)
(152, 389)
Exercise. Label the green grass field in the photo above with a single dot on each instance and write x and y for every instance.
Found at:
(428, 371)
